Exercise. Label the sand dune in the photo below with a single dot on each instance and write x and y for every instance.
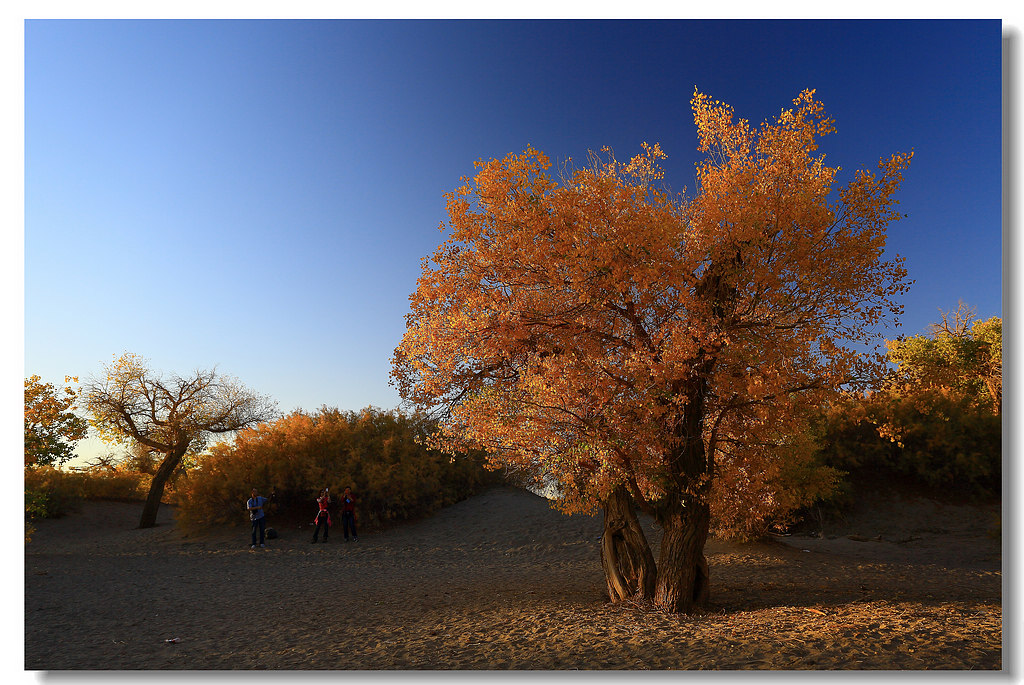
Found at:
(502, 581)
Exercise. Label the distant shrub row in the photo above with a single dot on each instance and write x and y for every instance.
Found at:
(51, 492)
(374, 452)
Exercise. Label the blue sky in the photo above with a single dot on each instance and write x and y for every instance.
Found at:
(257, 195)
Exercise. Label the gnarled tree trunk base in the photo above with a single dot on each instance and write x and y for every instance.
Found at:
(626, 556)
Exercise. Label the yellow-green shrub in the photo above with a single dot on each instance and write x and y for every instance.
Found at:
(936, 418)
(938, 436)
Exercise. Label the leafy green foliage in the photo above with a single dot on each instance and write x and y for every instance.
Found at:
(35, 507)
(376, 453)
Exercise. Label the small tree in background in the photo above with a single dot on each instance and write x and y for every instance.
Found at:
(169, 416)
(51, 425)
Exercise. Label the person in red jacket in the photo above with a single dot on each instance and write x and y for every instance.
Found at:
(323, 517)
(348, 514)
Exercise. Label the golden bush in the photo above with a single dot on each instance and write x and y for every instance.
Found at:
(377, 453)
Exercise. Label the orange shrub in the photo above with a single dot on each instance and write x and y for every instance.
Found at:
(374, 452)
(753, 493)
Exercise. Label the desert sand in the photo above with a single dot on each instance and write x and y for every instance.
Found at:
(502, 581)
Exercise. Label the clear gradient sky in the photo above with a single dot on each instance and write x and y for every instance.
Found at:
(257, 195)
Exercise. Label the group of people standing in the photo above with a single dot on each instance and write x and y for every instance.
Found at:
(257, 503)
(348, 515)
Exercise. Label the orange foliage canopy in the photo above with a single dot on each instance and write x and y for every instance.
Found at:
(587, 328)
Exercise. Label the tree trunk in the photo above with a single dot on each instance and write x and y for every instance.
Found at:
(156, 488)
(625, 554)
(683, 581)
(685, 513)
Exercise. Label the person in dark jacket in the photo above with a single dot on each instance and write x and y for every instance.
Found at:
(348, 514)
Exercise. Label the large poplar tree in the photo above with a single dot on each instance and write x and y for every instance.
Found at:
(626, 343)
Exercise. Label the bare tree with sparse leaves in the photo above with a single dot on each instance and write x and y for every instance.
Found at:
(133, 405)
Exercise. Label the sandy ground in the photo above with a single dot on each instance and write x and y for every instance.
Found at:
(502, 581)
